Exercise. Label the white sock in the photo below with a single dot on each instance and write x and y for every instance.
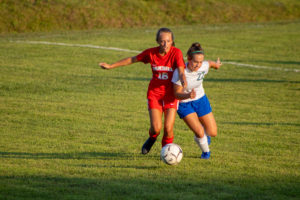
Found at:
(202, 143)
(205, 134)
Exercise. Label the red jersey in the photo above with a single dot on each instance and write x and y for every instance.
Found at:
(162, 66)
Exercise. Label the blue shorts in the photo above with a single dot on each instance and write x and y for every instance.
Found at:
(200, 106)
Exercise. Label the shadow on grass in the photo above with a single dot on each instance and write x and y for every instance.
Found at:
(262, 123)
(120, 166)
(249, 80)
(268, 61)
(133, 78)
(80, 155)
(216, 80)
(161, 186)
(279, 62)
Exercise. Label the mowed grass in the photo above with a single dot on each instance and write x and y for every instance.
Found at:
(69, 130)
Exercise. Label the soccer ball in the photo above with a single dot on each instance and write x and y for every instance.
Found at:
(171, 154)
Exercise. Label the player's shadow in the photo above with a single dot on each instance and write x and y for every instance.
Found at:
(107, 158)
(119, 166)
(81, 155)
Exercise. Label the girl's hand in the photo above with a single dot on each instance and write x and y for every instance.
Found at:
(218, 64)
(104, 65)
(192, 94)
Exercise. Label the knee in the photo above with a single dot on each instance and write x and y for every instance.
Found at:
(155, 129)
(212, 132)
(199, 132)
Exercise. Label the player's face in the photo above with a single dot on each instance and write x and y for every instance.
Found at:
(165, 42)
(196, 62)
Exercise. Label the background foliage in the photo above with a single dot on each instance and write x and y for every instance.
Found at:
(47, 15)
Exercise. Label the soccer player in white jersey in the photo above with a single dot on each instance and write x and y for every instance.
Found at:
(194, 107)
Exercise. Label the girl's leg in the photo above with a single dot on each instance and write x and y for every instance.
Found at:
(194, 124)
(209, 123)
(170, 115)
(210, 127)
(154, 130)
(155, 122)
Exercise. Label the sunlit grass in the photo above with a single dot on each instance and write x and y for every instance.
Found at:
(70, 130)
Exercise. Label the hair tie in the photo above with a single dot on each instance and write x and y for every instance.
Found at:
(197, 52)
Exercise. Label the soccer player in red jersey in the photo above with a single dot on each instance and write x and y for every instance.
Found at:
(163, 59)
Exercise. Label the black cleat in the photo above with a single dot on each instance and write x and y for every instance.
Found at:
(147, 145)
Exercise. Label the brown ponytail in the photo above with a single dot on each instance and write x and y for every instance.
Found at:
(194, 49)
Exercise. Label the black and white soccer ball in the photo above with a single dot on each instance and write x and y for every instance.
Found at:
(171, 154)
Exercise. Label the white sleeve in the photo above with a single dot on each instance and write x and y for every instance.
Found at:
(206, 66)
(175, 78)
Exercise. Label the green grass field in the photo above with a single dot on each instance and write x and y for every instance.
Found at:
(69, 130)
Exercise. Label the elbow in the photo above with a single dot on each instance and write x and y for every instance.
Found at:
(177, 96)
(180, 96)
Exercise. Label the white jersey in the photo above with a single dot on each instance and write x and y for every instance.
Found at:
(194, 80)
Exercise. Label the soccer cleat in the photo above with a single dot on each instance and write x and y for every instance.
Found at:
(208, 140)
(205, 155)
(147, 145)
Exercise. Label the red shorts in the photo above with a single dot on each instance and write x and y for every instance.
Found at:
(161, 100)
